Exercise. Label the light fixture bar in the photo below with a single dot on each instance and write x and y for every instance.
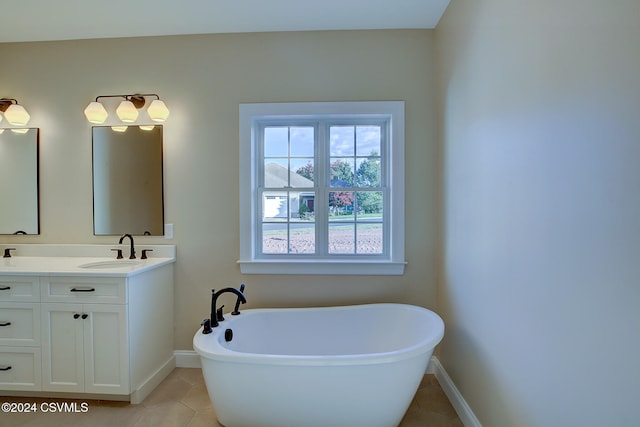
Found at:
(127, 109)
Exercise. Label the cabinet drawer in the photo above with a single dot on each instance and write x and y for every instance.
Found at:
(98, 290)
(20, 368)
(20, 323)
(19, 288)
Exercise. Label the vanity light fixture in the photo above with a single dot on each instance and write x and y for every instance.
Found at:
(127, 111)
(14, 112)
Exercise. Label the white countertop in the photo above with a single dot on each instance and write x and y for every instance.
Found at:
(67, 260)
(71, 266)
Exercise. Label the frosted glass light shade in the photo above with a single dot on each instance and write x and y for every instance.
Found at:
(119, 128)
(158, 112)
(20, 130)
(127, 112)
(96, 113)
(17, 115)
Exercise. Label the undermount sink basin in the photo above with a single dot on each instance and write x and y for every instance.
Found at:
(110, 264)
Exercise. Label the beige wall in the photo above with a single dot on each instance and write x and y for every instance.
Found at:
(539, 285)
(203, 79)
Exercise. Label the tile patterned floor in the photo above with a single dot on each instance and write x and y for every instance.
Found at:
(182, 400)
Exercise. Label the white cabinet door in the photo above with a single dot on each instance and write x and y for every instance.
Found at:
(84, 348)
(62, 347)
(106, 353)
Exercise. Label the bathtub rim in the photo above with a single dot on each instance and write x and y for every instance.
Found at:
(205, 345)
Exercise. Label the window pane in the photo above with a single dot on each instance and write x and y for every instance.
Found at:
(274, 206)
(341, 141)
(302, 142)
(369, 205)
(275, 173)
(369, 238)
(274, 239)
(368, 140)
(302, 238)
(341, 238)
(307, 169)
(368, 172)
(306, 206)
(342, 172)
(302, 172)
(341, 205)
(276, 142)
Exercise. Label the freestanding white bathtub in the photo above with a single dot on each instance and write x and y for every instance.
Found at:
(353, 366)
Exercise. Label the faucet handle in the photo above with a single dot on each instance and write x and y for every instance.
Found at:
(7, 252)
(206, 326)
(219, 316)
(119, 253)
(236, 310)
(144, 253)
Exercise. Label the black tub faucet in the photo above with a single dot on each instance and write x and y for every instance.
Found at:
(216, 315)
(132, 253)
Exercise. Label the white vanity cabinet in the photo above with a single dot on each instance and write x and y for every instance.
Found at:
(102, 335)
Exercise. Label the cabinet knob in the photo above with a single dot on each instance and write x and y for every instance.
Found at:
(85, 315)
(76, 316)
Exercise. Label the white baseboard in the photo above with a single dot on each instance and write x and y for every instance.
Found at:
(187, 359)
(153, 381)
(463, 410)
(191, 359)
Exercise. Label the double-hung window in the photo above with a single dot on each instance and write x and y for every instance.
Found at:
(322, 188)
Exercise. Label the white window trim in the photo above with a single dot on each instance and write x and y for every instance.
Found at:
(395, 263)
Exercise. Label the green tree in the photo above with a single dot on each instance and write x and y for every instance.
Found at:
(369, 201)
(341, 171)
(368, 173)
(306, 171)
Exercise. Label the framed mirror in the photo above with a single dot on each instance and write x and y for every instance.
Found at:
(19, 158)
(127, 181)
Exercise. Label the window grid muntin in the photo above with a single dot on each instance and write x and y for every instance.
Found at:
(322, 175)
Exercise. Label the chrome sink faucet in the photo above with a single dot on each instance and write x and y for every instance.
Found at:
(132, 253)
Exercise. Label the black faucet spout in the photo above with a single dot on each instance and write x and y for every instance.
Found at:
(214, 302)
(132, 253)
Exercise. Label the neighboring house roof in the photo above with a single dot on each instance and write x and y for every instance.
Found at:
(275, 176)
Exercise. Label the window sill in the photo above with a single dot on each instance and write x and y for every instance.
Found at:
(321, 267)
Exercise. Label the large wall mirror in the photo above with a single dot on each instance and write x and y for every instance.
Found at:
(19, 181)
(127, 181)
